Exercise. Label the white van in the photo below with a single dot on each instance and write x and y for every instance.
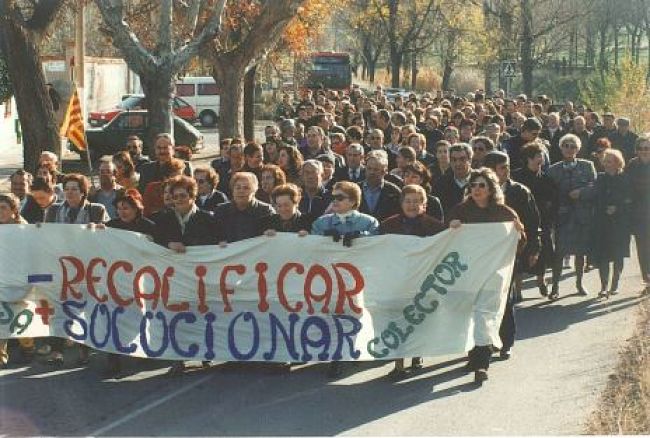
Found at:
(203, 94)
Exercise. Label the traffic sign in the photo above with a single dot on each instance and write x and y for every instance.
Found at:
(508, 69)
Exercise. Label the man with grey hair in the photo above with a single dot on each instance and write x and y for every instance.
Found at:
(451, 186)
(552, 133)
(379, 198)
(623, 139)
(354, 171)
(315, 199)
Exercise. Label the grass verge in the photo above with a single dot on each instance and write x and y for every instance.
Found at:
(625, 404)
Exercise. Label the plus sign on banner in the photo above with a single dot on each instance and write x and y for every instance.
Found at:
(508, 69)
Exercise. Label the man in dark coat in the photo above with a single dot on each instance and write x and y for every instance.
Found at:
(530, 131)
(354, 170)
(623, 139)
(208, 197)
(552, 133)
(379, 198)
(519, 198)
(450, 188)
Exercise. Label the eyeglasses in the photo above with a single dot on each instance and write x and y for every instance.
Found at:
(479, 185)
(570, 146)
(339, 197)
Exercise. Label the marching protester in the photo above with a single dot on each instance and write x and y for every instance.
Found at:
(484, 203)
(574, 178)
(271, 176)
(208, 197)
(41, 197)
(285, 199)
(126, 174)
(413, 221)
(638, 172)
(76, 209)
(419, 175)
(9, 214)
(611, 240)
(450, 188)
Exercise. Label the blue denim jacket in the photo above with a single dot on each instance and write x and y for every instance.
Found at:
(365, 224)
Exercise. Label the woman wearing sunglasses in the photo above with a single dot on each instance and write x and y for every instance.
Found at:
(484, 203)
(574, 178)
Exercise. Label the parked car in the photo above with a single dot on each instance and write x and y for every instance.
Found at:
(135, 102)
(202, 93)
(111, 137)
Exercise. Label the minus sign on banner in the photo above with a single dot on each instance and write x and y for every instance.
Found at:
(40, 278)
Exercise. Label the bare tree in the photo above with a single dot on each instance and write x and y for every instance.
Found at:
(22, 29)
(158, 67)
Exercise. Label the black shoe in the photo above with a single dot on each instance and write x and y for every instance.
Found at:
(335, 370)
(416, 363)
(397, 374)
(505, 354)
(543, 290)
(177, 370)
(480, 376)
(555, 293)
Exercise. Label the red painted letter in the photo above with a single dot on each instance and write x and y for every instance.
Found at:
(66, 283)
(343, 291)
(281, 295)
(112, 290)
(91, 280)
(225, 290)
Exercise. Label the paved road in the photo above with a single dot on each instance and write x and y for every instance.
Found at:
(563, 356)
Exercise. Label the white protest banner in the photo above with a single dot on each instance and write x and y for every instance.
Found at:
(282, 298)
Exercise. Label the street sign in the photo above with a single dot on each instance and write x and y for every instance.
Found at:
(508, 69)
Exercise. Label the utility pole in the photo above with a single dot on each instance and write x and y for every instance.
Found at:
(79, 54)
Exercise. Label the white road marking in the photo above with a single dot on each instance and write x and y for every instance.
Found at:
(149, 407)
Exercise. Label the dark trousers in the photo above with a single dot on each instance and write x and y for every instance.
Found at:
(479, 358)
(508, 326)
(58, 344)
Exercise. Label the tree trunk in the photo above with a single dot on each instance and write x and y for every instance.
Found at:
(230, 80)
(616, 35)
(526, 54)
(449, 60)
(395, 67)
(249, 104)
(602, 60)
(372, 66)
(158, 92)
(40, 132)
(414, 71)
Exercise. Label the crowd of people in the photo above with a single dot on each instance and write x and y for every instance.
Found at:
(349, 165)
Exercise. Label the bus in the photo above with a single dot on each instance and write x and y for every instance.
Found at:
(329, 70)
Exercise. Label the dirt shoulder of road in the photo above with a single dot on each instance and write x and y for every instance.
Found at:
(624, 408)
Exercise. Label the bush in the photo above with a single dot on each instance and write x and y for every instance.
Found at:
(623, 91)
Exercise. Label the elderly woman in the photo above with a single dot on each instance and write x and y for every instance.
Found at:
(290, 161)
(638, 171)
(412, 221)
(419, 175)
(288, 218)
(244, 216)
(9, 214)
(484, 203)
(74, 210)
(344, 223)
(125, 174)
(612, 204)
(271, 177)
(574, 178)
(182, 226)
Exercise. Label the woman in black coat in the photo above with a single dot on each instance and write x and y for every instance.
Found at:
(418, 174)
(638, 172)
(545, 192)
(184, 225)
(611, 241)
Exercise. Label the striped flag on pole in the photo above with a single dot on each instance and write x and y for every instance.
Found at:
(73, 124)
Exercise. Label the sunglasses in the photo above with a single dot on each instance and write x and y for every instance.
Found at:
(480, 185)
(339, 197)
